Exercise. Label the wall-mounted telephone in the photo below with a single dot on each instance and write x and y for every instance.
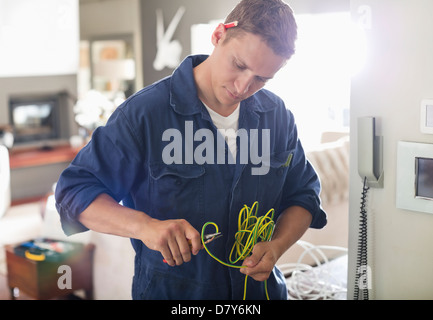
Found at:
(371, 172)
(370, 152)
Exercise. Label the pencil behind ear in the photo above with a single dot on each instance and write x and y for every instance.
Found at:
(218, 34)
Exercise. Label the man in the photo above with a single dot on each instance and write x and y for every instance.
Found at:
(169, 156)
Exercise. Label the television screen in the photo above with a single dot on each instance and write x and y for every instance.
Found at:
(34, 120)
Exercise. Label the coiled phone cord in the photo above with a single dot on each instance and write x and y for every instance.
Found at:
(362, 243)
(251, 229)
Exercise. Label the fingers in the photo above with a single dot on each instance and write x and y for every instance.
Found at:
(173, 255)
(176, 240)
(180, 249)
(194, 242)
(260, 264)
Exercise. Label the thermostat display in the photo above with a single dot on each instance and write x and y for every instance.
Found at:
(415, 176)
(424, 178)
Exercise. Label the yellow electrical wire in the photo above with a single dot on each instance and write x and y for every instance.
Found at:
(251, 229)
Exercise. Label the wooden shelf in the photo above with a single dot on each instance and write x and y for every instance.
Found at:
(39, 157)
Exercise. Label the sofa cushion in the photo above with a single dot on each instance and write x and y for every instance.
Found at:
(331, 161)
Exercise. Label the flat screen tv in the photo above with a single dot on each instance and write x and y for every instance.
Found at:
(34, 120)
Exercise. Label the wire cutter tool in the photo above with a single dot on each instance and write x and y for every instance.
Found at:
(205, 240)
(210, 237)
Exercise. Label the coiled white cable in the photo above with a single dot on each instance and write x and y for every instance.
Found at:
(314, 283)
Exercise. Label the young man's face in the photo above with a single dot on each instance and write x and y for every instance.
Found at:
(241, 66)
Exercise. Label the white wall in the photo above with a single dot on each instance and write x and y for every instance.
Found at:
(397, 76)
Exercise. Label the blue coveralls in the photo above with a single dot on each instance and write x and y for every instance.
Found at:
(124, 159)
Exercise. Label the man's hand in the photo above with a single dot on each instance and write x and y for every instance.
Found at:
(290, 226)
(260, 264)
(172, 238)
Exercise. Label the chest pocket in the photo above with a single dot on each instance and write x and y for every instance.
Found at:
(177, 191)
(282, 160)
(274, 180)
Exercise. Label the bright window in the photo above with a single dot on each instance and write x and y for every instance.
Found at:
(38, 37)
(315, 83)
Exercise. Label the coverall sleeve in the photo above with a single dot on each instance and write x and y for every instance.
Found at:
(107, 164)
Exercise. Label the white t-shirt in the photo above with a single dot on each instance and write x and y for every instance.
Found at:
(227, 126)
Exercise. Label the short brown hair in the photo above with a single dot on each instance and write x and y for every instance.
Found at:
(272, 20)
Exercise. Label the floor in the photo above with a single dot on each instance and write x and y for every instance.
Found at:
(4, 290)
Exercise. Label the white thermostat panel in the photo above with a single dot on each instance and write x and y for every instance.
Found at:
(415, 176)
(427, 116)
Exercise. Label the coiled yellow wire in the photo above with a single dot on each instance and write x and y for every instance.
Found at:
(251, 229)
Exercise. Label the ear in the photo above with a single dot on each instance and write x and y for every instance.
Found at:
(218, 34)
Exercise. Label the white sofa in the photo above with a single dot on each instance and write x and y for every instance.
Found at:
(5, 180)
(17, 223)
